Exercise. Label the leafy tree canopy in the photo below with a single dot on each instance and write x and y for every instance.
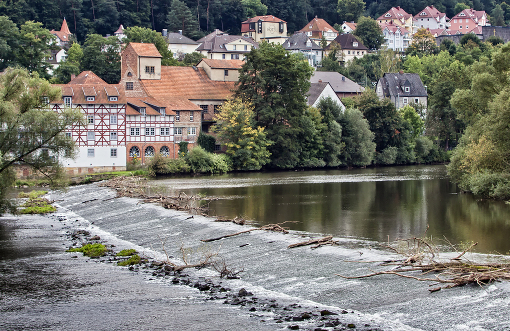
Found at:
(370, 33)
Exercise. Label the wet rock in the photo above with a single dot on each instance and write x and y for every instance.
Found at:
(95, 238)
(345, 312)
(156, 264)
(327, 312)
(294, 327)
(351, 325)
(253, 309)
(244, 293)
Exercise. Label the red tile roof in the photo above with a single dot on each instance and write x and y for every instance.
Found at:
(145, 49)
(64, 32)
(87, 84)
(265, 18)
(430, 12)
(87, 77)
(395, 13)
(189, 83)
(318, 24)
(223, 64)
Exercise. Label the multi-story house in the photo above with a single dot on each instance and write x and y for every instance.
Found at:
(318, 28)
(101, 140)
(56, 56)
(343, 86)
(267, 27)
(300, 42)
(395, 37)
(430, 18)
(180, 45)
(222, 46)
(63, 35)
(402, 89)
(469, 20)
(399, 17)
(348, 47)
(221, 70)
(190, 97)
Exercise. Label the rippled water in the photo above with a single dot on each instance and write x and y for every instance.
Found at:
(377, 203)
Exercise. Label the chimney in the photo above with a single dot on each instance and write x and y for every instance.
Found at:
(73, 76)
(180, 31)
(320, 80)
(164, 32)
(343, 78)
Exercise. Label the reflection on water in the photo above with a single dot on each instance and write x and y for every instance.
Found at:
(376, 203)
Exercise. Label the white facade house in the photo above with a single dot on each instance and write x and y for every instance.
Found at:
(322, 90)
(396, 37)
(430, 18)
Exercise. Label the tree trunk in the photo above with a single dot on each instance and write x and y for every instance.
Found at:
(93, 12)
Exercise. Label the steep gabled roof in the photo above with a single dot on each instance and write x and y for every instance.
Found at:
(393, 28)
(315, 91)
(64, 32)
(338, 82)
(216, 43)
(300, 41)
(475, 15)
(394, 84)
(430, 12)
(87, 77)
(395, 13)
(145, 49)
(210, 36)
(318, 24)
(265, 18)
(177, 38)
(187, 82)
(120, 30)
(347, 41)
(223, 64)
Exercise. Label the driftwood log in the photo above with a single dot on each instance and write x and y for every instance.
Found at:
(268, 227)
(316, 242)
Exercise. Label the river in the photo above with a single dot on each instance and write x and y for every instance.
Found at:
(346, 202)
(378, 204)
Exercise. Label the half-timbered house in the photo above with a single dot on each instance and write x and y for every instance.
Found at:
(101, 139)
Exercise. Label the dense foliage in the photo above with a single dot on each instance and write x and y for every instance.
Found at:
(196, 18)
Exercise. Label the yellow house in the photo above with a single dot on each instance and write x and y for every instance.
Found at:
(399, 17)
(221, 70)
(221, 46)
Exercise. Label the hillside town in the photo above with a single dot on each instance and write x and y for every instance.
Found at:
(154, 107)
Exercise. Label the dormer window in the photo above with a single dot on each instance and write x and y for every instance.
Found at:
(91, 98)
(407, 89)
(387, 15)
(281, 27)
(68, 101)
(355, 44)
(234, 47)
(142, 111)
(113, 98)
(162, 111)
(45, 101)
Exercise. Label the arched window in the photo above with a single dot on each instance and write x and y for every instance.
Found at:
(134, 152)
(149, 151)
(165, 151)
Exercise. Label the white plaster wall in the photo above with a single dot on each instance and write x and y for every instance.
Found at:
(101, 157)
(328, 92)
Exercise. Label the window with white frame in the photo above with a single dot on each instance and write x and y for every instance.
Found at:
(90, 119)
(162, 111)
(165, 131)
(149, 151)
(113, 119)
(113, 135)
(91, 98)
(407, 89)
(191, 116)
(416, 100)
(178, 131)
(68, 101)
(90, 152)
(68, 135)
(404, 101)
(177, 116)
(91, 135)
(129, 85)
(192, 131)
(113, 98)
(113, 152)
(135, 131)
(150, 131)
(142, 111)
(165, 151)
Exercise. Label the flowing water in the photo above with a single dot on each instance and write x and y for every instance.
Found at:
(378, 204)
(360, 208)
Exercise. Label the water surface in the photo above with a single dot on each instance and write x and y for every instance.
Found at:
(377, 203)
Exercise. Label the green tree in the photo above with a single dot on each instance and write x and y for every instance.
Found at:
(350, 10)
(192, 59)
(180, 17)
(34, 46)
(70, 66)
(423, 43)
(9, 39)
(369, 32)
(254, 8)
(332, 132)
(101, 56)
(137, 34)
(410, 115)
(31, 135)
(498, 16)
(358, 140)
(206, 141)
(276, 82)
(460, 6)
(246, 144)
